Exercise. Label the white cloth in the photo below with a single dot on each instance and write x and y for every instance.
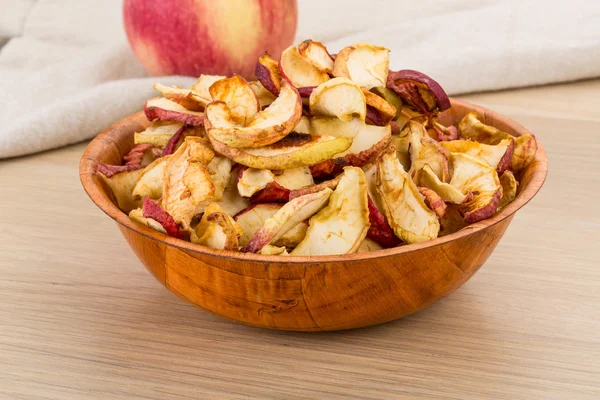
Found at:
(66, 72)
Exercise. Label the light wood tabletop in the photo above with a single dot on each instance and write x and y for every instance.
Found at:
(81, 318)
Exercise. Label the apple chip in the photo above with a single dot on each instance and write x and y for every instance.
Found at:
(163, 109)
(272, 193)
(418, 91)
(316, 54)
(252, 180)
(443, 133)
(269, 250)
(509, 188)
(525, 146)
(184, 97)
(338, 97)
(401, 142)
(220, 233)
(433, 201)
(452, 221)
(470, 174)
(498, 156)
(264, 96)
(203, 84)
(368, 143)
(150, 182)
(390, 97)
(368, 245)
(330, 184)
(138, 216)
(340, 227)
(264, 128)
(153, 211)
(121, 185)
(293, 151)
(363, 63)
(239, 97)
(157, 134)
(268, 73)
(211, 208)
(304, 126)
(425, 150)
(427, 178)
(294, 178)
(406, 212)
(385, 110)
(286, 218)
(298, 71)
(333, 126)
(380, 231)
(174, 142)
(231, 202)
(254, 217)
(186, 181)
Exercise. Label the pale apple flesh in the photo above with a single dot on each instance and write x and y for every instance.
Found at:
(254, 217)
(509, 188)
(157, 134)
(299, 72)
(316, 54)
(150, 182)
(427, 178)
(498, 156)
(425, 150)
(238, 96)
(363, 63)
(338, 97)
(163, 109)
(184, 97)
(138, 216)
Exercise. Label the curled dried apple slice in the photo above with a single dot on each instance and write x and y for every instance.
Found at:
(264, 128)
(418, 91)
(368, 245)
(220, 233)
(316, 54)
(186, 181)
(380, 231)
(363, 63)
(174, 142)
(286, 218)
(231, 202)
(390, 97)
(433, 201)
(427, 178)
(150, 182)
(121, 185)
(470, 174)
(184, 97)
(342, 225)
(268, 73)
(443, 133)
(269, 250)
(272, 193)
(406, 212)
(163, 109)
(525, 146)
(425, 150)
(338, 97)
(251, 180)
(369, 141)
(254, 217)
(498, 156)
(333, 126)
(138, 216)
(153, 211)
(384, 109)
(203, 84)
(239, 97)
(157, 134)
(278, 190)
(330, 184)
(509, 188)
(298, 71)
(215, 207)
(295, 150)
(264, 96)
(452, 221)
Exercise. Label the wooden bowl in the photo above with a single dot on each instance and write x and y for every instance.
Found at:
(322, 293)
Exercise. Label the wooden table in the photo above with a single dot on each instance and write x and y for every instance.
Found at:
(80, 318)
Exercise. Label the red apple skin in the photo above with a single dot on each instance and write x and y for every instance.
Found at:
(193, 37)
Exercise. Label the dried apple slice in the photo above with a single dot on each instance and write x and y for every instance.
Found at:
(272, 193)
(366, 146)
(418, 91)
(174, 142)
(363, 63)
(338, 97)
(163, 109)
(264, 128)
(294, 178)
(498, 156)
(268, 73)
(425, 150)
(469, 174)
(525, 146)
(433, 201)
(215, 207)
(380, 231)
(333, 126)
(269, 250)
(151, 210)
(203, 84)
(403, 206)
(384, 109)
(184, 97)
(369, 245)
(138, 216)
(150, 182)
(121, 185)
(264, 96)
(186, 181)
(298, 71)
(157, 134)
(220, 233)
(304, 126)
(293, 151)
(331, 184)
(231, 202)
(251, 180)
(286, 218)
(443, 133)
(452, 221)
(390, 97)
(401, 142)
(316, 54)
(340, 227)
(427, 178)
(254, 217)
(509, 188)
(239, 97)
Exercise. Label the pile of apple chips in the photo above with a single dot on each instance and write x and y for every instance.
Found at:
(322, 154)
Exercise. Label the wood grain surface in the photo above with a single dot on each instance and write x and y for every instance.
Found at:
(81, 318)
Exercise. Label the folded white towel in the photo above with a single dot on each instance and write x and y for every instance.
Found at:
(67, 72)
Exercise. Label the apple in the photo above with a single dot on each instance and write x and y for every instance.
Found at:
(193, 37)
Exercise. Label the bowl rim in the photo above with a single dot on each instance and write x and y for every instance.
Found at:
(87, 168)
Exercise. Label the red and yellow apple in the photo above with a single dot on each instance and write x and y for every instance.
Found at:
(193, 37)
